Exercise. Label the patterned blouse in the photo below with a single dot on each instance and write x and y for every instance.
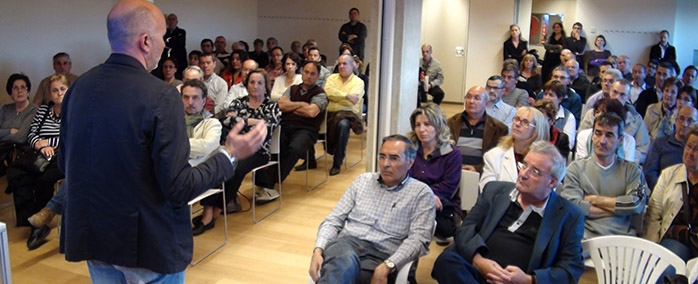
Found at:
(49, 129)
(268, 111)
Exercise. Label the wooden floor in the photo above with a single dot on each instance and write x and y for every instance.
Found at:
(276, 250)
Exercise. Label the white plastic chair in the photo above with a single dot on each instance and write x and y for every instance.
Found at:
(468, 189)
(225, 220)
(626, 259)
(275, 148)
(692, 270)
(322, 132)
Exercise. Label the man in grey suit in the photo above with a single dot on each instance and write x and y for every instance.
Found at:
(523, 233)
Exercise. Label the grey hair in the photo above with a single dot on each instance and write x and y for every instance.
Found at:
(559, 168)
(197, 69)
(410, 148)
(614, 72)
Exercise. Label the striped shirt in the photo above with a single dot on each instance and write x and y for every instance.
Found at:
(470, 141)
(50, 129)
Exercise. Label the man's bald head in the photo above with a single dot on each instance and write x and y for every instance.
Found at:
(136, 28)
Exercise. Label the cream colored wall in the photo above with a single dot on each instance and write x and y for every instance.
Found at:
(444, 26)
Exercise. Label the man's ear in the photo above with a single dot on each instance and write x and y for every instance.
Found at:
(145, 42)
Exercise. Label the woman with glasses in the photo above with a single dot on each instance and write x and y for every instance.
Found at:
(15, 118)
(501, 163)
(169, 68)
(438, 163)
(658, 115)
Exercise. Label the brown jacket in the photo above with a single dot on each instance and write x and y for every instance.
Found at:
(494, 129)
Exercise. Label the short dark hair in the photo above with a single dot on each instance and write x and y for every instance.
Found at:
(689, 68)
(610, 119)
(665, 31)
(241, 54)
(497, 77)
(66, 55)
(275, 48)
(174, 61)
(611, 105)
(196, 83)
(206, 40)
(244, 43)
(313, 48)
(293, 56)
(195, 52)
(578, 24)
(605, 63)
(355, 9)
(511, 67)
(557, 87)
(17, 76)
(672, 81)
(688, 90)
(410, 148)
(316, 64)
(204, 54)
(654, 61)
(604, 39)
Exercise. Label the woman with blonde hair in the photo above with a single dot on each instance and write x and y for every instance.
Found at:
(438, 163)
(502, 162)
(515, 46)
(529, 78)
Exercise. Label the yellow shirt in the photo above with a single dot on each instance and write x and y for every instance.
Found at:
(337, 91)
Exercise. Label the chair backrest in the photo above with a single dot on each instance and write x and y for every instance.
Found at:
(275, 143)
(626, 259)
(468, 189)
(692, 270)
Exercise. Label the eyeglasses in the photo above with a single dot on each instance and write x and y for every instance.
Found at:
(522, 166)
(524, 122)
(21, 88)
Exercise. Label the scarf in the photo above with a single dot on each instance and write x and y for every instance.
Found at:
(193, 119)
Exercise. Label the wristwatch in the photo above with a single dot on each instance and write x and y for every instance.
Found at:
(390, 265)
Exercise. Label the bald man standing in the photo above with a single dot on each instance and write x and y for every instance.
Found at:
(125, 152)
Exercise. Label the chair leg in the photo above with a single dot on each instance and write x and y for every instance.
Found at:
(254, 196)
(361, 158)
(307, 171)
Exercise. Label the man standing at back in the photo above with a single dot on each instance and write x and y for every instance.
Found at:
(125, 157)
(354, 33)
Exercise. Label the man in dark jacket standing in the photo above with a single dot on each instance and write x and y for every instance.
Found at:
(125, 154)
(354, 33)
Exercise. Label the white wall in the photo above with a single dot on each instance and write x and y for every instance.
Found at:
(444, 39)
(289, 20)
(34, 30)
(684, 36)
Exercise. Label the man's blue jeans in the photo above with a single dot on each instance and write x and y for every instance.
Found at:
(102, 272)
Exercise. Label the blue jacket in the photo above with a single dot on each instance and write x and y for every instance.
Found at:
(124, 150)
(557, 253)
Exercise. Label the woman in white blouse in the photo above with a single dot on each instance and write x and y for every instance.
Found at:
(291, 61)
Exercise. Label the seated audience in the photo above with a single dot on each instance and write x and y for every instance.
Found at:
(529, 78)
(496, 107)
(475, 132)
(275, 68)
(502, 162)
(194, 58)
(169, 69)
(61, 65)
(584, 146)
(557, 137)
(519, 233)
(624, 66)
(217, 87)
(571, 100)
(593, 58)
(564, 119)
(689, 75)
(438, 165)
(232, 74)
(651, 72)
(596, 84)
(207, 47)
(512, 95)
(671, 213)
(638, 82)
(239, 90)
(607, 77)
(15, 118)
(303, 110)
(666, 151)
(290, 77)
(258, 54)
(31, 185)
(345, 93)
(314, 55)
(382, 221)
(654, 95)
(658, 116)
(578, 80)
(610, 190)
(252, 109)
(634, 125)
(430, 73)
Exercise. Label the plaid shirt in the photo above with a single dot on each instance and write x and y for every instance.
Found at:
(398, 220)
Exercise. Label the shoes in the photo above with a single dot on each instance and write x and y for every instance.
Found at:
(311, 165)
(441, 241)
(200, 228)
(264, 195)
(335, 170)
(38, 237)
(42, 217)
(234, 205)
(196, 219)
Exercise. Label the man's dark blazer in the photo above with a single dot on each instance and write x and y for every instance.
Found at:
(557, 253)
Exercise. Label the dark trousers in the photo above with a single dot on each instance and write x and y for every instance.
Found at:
(31, 191)
(295, 142)
(232, 185)
(351, 260)
(451, 267)
(435, 92)
(340, 147)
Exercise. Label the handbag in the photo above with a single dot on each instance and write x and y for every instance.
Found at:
(32, 162)
(447, 220)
